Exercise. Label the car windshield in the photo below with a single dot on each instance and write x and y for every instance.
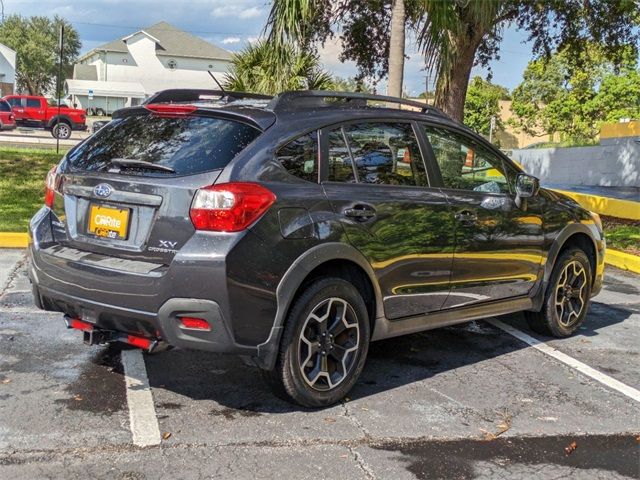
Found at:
(186, 145)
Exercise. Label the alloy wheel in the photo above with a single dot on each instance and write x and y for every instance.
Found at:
(570, 293)
(328, 344)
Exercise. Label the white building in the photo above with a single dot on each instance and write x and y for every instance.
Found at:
(7, 70)
(125, 71)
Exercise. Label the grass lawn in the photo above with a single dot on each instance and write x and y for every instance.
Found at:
(622, 234)
(22, 175)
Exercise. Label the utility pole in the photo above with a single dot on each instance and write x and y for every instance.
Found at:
(2, 8)
(58, 85)
(492, 125)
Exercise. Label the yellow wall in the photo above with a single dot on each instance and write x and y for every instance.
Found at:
(618, 130)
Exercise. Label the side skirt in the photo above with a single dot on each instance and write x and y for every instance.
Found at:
(386, 328)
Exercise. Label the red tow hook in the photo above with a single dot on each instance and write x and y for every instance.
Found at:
(99, 336)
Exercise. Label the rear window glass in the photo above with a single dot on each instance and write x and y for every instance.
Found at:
(33, 103)
(4, 106)
(188, 145)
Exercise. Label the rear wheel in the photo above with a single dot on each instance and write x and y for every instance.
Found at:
(567, 297)
(61, 130)
(324, 345)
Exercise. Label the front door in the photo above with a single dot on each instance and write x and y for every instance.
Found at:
(375, 178)
(499, 247)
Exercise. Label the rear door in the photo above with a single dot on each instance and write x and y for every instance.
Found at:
(34, 110)
(375, 178)
(499, 246)
(138, 212)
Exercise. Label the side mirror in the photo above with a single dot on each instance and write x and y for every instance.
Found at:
(527, 186)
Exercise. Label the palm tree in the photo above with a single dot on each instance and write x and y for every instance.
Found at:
(450, 34)
(297, 20)
(266, 68)
(396, 48)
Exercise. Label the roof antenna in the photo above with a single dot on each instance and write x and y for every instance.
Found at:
(217, 82)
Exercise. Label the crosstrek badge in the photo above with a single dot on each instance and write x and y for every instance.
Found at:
(108, 222)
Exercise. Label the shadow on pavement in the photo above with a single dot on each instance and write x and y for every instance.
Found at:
(391, 363)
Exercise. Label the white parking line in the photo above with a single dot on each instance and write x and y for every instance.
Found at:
(583, 368)
(142, 413)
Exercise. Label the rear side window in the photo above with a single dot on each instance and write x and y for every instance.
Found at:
(382, 153)
(300, 157)
(33, 103)
(188, 145)
(4, 106)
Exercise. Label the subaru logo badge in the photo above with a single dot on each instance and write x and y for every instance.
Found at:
(102, 190)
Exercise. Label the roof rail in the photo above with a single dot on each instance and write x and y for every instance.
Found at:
(317, 98)
(185, 95)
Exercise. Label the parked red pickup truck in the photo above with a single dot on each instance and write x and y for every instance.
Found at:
(32, 111)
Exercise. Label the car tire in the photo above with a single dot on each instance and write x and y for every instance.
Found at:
(324, 345)
(61, 130)
(100, 112)
(567, 297)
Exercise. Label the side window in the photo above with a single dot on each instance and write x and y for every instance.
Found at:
(385, 153)
(14, 102)
(300, 157)
(4, 106)
(33, 103)
(464, 166)
(340, 165)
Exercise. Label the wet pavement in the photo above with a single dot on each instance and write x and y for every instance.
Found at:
(462, 402)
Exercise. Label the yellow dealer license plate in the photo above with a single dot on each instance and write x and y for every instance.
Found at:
(108, 222)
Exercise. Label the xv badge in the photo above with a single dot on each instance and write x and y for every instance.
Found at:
(168, 244)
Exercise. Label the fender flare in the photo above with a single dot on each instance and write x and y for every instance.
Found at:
(554, 251)
(295, 276)
(61, 119)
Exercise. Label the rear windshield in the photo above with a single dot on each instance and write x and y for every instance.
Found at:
(4, 106)
(188, 145)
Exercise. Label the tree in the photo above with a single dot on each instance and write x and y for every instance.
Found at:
(455, 35)
(396, 48)
(482, 103)
(35, 41)
(263, 68)
(574, 96)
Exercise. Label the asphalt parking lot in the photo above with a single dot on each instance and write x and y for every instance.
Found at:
(470, 401)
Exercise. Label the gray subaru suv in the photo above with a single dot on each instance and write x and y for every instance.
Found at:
(294, 230)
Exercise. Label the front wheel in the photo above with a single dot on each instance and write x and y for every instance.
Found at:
(61, 130)
(324, 345)
(567, 297)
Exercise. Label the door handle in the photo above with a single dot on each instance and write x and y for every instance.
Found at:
(466, 217)
(360, 212)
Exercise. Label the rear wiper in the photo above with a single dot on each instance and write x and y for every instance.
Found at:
(133, 163)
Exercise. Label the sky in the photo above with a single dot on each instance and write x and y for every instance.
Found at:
(231, 24)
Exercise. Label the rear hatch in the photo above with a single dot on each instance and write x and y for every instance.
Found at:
(127, 190)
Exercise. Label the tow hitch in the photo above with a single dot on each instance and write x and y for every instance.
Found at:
(99, 336)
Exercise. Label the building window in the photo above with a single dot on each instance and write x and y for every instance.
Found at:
(172, 64)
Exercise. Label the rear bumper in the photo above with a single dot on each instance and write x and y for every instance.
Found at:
(139, 298)
(163, 324)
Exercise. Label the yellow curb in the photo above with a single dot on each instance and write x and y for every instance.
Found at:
(13, 240)
(613, 207)
(622, 260)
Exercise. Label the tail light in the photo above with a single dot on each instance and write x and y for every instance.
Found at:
(170, 110)
(50, 186)
(229, 207)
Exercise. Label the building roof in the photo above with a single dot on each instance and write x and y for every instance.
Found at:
(171, 42)
(85, 72)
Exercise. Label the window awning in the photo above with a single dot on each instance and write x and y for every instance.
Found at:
(104, 89)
